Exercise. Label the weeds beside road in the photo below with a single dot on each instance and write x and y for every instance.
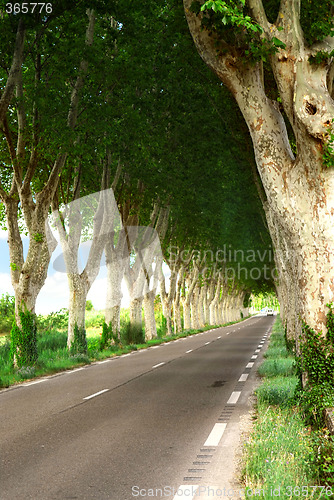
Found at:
(284, 457)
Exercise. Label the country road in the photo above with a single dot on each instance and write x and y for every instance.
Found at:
(157, 419)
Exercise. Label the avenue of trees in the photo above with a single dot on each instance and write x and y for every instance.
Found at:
(276, 59)
(115, 135)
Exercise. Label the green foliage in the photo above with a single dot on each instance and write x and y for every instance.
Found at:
(277, 366)
(38, 237)
(323, 459)
(89, 305)
(328, 148)
(79, 342)
(316, 19)
(132, 334)
(23, 348)
(94, 319)
(317, 357)
(330, 324)
(321, 57)
(51, 340)
(231, 21)
(7, 312)
(317, 361)
(162, 328)
(108, 339)
(53, 321)
(279, 390)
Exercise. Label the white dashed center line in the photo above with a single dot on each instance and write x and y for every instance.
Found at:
(243, 377)
(159, 364)
(250, 365)
(96, 394)
(190, 350)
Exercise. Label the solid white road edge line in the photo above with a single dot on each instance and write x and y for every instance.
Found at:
(35, 382)
(215, 435)
(96, 394)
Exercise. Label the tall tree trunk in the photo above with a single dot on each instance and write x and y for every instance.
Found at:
(150, 324)
(177, 300)
(116, 260)
(136, 311)
(78, 287)
(195, 307)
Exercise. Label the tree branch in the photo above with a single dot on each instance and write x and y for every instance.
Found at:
(289, 19)
(73, 111)
(259, 14)
(21, 118)
(46, 195)
(14, 71)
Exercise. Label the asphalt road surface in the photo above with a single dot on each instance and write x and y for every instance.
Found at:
(156, 423)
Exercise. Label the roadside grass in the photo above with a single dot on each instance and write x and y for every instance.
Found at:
(280, 457)
(54, 356)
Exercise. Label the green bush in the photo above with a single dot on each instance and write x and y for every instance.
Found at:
(5, 351)
(313, 400)
(108, 339)
(89, 305)
(317, 361)
(7, 312)
(162, 328)
(23, 347)
(94, 319)
(323, 458)
(79, 342)
(54, 321)
(132, 334)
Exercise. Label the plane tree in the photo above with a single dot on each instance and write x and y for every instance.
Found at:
(276, 58)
